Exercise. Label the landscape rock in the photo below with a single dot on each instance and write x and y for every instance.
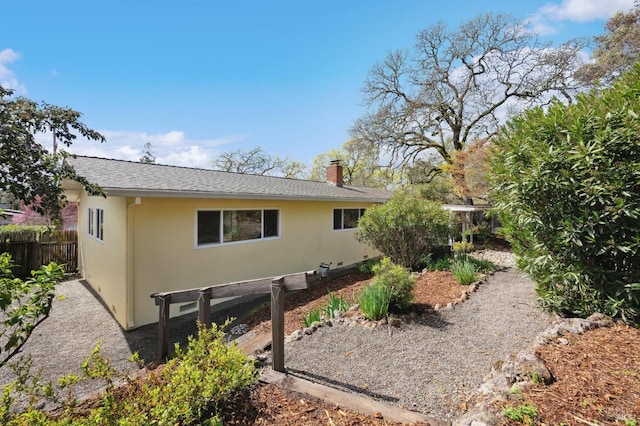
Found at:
(521, 369)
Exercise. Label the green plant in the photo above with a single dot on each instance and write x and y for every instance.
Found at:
(464, 271)
(336, 303)
(535, 378)
(398, 280)
(374, 301)
(404, 229)
(366, 267)
(462, 247)
(312, 316)
(630, 422)
(523, 413)
(440, 264)
(190, 389)
(565, 184)
(23, 304)
(481, 265)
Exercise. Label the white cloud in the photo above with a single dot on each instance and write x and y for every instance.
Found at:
(584, 10)
(172, 148)
(7, 77)
(546, 19)
(191, 157)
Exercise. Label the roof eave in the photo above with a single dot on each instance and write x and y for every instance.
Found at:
(120, 192)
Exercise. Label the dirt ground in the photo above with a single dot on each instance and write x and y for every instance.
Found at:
(597, 375)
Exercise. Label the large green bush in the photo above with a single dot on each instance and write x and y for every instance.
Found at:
(404, 228)
(191, 389)
(566, 183)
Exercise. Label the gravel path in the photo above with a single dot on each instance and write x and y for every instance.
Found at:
(76, 324)
(433, 364)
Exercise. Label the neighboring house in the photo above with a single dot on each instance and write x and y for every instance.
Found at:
(7, 215)
(164, 228)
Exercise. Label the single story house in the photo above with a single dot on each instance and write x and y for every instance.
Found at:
(164, 228)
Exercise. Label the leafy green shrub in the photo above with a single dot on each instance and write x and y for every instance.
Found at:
(190, 389)
(441, 264)
(23, 304)
(366, 267)
(336, 303)
(374, 301)
(23, 233)
(464, 271)
(404, 229)
(398, 280)
(462, 247)
(312, 316)
(565, 184)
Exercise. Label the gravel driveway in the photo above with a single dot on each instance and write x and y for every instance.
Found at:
(433, 364)
(78, 321)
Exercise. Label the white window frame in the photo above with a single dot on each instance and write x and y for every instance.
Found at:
(361, 212)
(222, 242)
(100, 224)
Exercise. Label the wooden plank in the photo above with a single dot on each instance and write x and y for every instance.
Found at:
(346, 400)
(277, 324)
(162, 350)
(256, 343)
(204, 308)
(298, 281)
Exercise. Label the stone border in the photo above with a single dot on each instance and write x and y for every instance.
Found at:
(518, 369)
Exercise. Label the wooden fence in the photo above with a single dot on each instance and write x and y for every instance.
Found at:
(31, 251)
(276, 286)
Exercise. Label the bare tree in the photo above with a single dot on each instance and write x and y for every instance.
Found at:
(457, 86)
(258, 162)
(147, 154)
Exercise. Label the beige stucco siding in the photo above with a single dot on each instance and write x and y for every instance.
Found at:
(165, 256)
(103, 263)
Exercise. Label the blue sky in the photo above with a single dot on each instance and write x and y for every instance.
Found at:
(196, 78)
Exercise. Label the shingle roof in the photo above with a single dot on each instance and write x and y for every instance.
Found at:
(127, 178)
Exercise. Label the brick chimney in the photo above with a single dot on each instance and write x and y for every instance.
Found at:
(334, 173)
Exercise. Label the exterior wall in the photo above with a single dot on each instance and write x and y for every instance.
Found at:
(165, 256)
(103, 263)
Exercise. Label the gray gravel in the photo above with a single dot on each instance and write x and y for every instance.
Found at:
(432, 364)
(77, 323)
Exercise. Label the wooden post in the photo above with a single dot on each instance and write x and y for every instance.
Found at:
(204, 307)
(277, 324)
(163, 329)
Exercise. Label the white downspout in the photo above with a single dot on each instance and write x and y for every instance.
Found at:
(130, 264)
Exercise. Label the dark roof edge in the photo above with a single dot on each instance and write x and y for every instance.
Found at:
(119, 192)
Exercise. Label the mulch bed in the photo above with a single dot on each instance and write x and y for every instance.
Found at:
(270, 405)
(597, 380)
(431, 288)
